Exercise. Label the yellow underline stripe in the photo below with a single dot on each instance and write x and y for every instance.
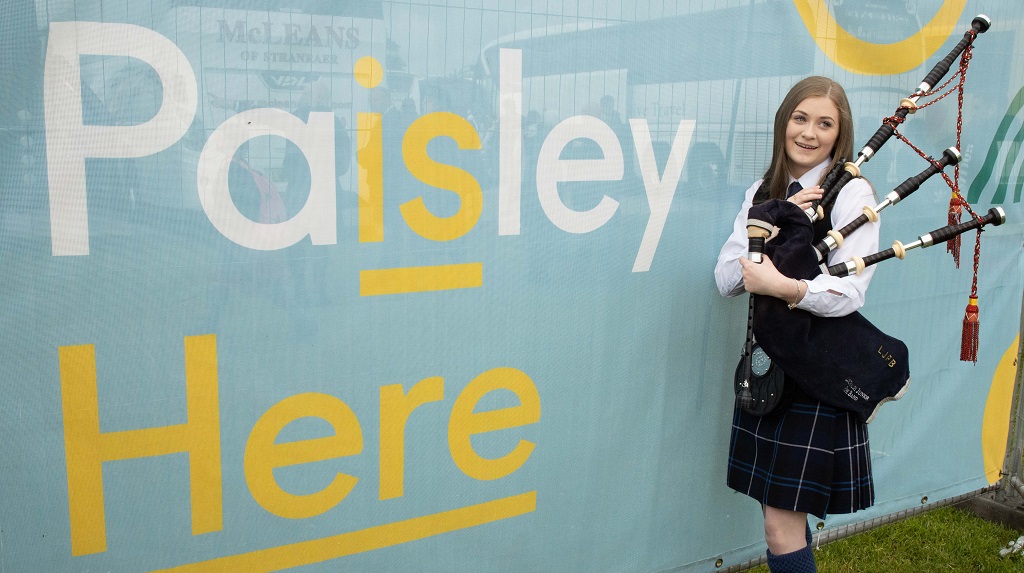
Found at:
(375, 282)
(377, 537)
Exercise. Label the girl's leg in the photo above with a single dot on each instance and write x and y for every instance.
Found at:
(785, 532)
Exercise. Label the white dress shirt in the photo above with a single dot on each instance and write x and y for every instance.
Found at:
(826, 295)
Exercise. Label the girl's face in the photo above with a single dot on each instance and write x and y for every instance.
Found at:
(811, 133)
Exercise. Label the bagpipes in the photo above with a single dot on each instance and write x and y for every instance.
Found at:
(847, 362)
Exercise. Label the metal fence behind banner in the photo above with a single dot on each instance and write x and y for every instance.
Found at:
(170, 235)
(1013, 472)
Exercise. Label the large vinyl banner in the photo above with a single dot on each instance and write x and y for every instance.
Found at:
(427, 285)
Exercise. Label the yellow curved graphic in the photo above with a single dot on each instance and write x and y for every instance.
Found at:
(996, 425)
(856, 55)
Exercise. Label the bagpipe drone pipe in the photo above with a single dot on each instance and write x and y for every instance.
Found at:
(856, 265)
(835, 181)
(845, 362)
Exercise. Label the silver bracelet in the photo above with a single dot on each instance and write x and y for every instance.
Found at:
(796, 300)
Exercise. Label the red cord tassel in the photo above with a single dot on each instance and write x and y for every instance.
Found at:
(955, 215)
(969, 338)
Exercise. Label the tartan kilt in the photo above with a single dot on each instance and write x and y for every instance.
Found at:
(809, 457)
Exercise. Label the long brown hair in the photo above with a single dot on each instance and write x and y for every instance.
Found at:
(814, 86)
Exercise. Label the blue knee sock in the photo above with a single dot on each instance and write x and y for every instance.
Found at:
(801, 561)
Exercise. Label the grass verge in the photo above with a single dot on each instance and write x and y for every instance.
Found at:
(941, 540)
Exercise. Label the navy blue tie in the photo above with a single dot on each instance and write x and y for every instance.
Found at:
(793, 188)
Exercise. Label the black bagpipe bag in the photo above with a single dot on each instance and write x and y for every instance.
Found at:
(845, 362)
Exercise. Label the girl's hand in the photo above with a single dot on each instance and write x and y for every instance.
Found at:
(765, 279)
(804, 197)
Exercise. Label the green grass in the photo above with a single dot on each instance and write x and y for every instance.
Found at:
(944, 539)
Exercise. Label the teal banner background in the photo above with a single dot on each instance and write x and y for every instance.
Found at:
(615, 321)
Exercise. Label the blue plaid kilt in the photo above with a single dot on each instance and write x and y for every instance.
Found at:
(809, 457)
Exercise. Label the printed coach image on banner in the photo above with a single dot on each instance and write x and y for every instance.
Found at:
(437, 285)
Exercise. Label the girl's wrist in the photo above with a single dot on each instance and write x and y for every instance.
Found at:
(797, 290)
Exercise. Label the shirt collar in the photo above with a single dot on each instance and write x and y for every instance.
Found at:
(813, 175)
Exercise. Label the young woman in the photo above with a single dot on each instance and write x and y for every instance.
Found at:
(807, 457)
